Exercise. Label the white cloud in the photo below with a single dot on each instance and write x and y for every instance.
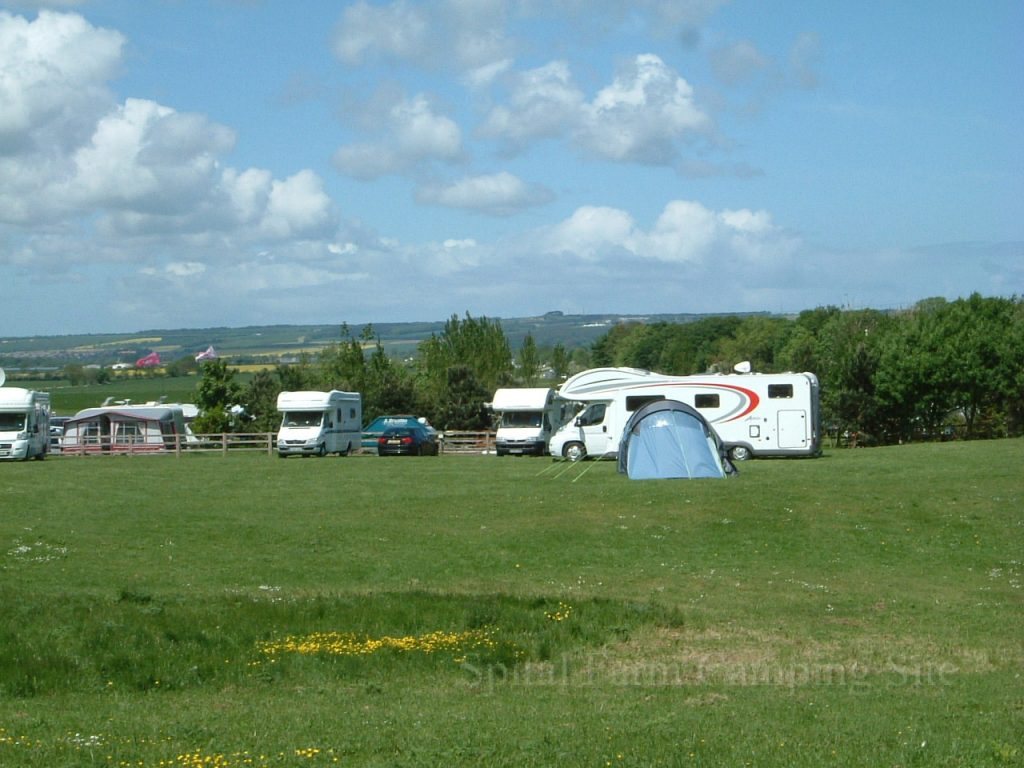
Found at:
(499, 194)
(686, 232)
(52, 78)
(592, 232)
(468, 35)
(398, 30)
(738, 62)
(70, 156)
(544, 102)
(147, 157)
(298, 207)
(414, 134)
(642, 115)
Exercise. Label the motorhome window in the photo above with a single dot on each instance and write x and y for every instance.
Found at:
(11, 422)
(638, 401)
(520, 419)
(780, 390)
(706, 401)
(351, 413)
(302, 418)
(593, 415)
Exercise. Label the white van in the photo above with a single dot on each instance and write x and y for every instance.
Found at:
(527, 417)
(754, 414)
(24, 423)
(318, 423)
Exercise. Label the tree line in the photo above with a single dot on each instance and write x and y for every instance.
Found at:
(449, 381)
(939, 369)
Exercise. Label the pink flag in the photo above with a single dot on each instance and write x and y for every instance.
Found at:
(149, 361)
(209, 354)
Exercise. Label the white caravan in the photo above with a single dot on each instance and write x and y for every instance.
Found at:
(318, 423)
(125, 428)
(527, 417)
(24, 423)
(754, 414)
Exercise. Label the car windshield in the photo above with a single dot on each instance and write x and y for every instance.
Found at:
(520, 419)
(384, 423)
(12, 422)
(301, 419)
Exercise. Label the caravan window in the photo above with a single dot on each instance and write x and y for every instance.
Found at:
(639, 401)
(128, 433)
(90, 432)
(706, 401)
(780, 391)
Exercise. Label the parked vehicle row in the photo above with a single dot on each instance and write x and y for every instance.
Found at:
(753, 414)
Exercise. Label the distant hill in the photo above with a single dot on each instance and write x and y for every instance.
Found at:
(284, 342)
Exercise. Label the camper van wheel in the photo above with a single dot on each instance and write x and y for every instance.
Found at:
(322, 450)
(739, 453)
(574, 451)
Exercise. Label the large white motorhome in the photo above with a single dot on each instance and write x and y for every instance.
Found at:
(527, 418)
(754, 414)
(318, 423)
(24, 423)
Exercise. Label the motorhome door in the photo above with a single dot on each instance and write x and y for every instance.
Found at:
(594, 429)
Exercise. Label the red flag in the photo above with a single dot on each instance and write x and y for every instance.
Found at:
(149, 361)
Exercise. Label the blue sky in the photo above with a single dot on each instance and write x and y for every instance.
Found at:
(177, 163)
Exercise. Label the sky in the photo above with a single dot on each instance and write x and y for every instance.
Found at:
(193, 164)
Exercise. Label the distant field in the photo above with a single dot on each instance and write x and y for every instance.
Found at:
(66, 400)
(861, 609)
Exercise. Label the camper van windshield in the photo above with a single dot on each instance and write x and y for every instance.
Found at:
(301, 419)
(521, 419)
(12, 422)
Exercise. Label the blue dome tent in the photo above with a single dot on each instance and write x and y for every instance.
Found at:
(669, 439)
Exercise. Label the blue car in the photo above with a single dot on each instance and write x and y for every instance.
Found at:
(373, 431)
(407, 441)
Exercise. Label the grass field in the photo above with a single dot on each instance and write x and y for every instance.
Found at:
(861, 609)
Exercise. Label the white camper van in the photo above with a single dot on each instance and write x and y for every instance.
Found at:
(318, 423)
(527, 417)
(24, 423)
(754, 414)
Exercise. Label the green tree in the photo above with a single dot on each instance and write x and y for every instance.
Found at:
(560, 362)
(529, 362)
(216, 392)
(260, 399)
(387, 386)
(849, 352)
(476, 344)
(463, 406)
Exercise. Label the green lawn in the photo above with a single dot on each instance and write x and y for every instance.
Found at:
(864, 608)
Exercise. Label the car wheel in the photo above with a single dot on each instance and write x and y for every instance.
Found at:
(739, 453)
(574, 451)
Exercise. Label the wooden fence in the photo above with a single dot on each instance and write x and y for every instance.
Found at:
(451, 442)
